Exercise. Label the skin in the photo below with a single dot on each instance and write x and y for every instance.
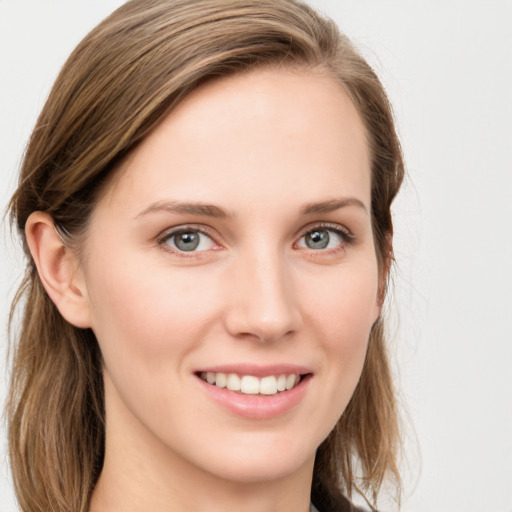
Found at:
(260, 146)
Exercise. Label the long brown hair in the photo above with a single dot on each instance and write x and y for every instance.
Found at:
(117, 85)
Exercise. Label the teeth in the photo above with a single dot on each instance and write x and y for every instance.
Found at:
(221, 380)
(251, 385)
(268, 385)
(233, 382)
(290, 381)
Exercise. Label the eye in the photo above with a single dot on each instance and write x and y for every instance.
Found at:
(324, 238)
(188, 240)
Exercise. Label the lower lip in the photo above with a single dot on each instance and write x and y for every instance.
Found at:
(257, 407)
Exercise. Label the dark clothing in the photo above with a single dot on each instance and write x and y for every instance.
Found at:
(345, 506)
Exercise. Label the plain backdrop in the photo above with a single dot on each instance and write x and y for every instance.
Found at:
(447, 66)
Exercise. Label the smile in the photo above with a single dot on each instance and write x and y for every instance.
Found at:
(256, 392)
(251, 385)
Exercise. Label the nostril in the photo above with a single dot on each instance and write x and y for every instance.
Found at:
(265, 335)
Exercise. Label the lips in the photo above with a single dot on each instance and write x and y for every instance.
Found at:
(256, 392)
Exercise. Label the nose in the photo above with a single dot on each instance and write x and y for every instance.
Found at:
(262, 301)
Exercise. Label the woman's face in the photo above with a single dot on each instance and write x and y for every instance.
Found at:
(234, 248)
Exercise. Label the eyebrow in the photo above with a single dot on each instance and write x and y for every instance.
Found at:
(211, 210)
(190, 208)
(332, 205)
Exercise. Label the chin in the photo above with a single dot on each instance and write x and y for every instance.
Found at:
(261, 460)
(261, 471)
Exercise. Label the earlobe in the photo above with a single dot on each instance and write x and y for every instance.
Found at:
(58, 269)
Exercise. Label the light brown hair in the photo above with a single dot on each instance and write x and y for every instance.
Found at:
(117, 85)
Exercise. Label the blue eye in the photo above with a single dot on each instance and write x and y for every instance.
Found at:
(189, 240)
(323, 238)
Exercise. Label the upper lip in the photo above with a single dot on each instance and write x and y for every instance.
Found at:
(257, 370)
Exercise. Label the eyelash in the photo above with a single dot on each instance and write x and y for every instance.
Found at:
(348, 239)
(168, 235)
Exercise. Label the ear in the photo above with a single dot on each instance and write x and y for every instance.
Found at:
(59, 269)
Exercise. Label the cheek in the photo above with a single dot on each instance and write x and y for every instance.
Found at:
(143, 317)
(344, 304)
(147, 323)
(343, 310)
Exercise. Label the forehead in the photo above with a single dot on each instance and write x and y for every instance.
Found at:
(243, 138)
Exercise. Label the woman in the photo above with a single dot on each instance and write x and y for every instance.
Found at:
(205, 206)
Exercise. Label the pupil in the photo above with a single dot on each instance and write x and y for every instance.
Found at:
(187, 241)
(317, 239)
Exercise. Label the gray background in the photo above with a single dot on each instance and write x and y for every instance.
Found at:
(448, 69)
